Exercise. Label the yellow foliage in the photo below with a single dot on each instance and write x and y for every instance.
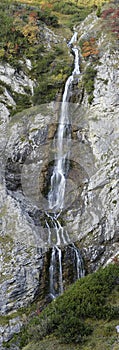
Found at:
(18, 23)
(2, 52)
(85, 43)
(78, 2)
(89, 2)
(30, 31)
(58, 77)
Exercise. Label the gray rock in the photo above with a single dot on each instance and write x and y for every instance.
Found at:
(96, 224)
(7, 332)
(16, 81)
(91, 206)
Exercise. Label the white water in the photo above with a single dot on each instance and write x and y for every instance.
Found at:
(79, 270)
(58, 182)
(55, 269)
(76, 66)
(57, 192)
(73, 39)
(60, 270)
(51, 273)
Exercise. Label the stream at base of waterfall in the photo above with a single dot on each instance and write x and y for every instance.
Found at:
(56, 194)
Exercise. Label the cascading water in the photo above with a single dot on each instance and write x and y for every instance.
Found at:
(56, 232)
(56, 194)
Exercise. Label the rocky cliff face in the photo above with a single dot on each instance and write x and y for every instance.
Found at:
(97, 225)
(91, 218)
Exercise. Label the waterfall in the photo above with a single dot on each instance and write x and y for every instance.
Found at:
(56, 194)
(57, 236)
(76, 66)
(73, 39)
(58, 181)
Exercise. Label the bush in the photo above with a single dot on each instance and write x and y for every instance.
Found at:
(65, 8)
(22, 101)
(70, 315)
(98, 13)
(72, 329)
(88, 81)
(44, 92)
(48, 18)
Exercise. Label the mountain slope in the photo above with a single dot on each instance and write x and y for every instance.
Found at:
(35, 63)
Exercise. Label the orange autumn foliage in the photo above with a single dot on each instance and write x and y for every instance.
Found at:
(46, 6)
(33, 17)
(89, 48)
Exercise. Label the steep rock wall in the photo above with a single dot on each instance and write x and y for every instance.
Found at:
(96, 224)
(91, 205)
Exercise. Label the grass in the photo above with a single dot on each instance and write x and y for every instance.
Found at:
(50, 344)
(104, 337)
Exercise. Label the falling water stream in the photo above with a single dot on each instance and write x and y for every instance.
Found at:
(57, 191)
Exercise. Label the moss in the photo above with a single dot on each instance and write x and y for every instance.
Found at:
(4, 320)
(1, 90)
(105, 81)
(114, 201)
(23, 138)
(90, 98)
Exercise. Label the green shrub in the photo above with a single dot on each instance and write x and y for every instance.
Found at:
(98, 13)
(1, 90)
(66, 8)
(70, 315)
(90, 98)
(88, 81)
(48, 18)
(72, 329)
(44, 92)
(22, 102)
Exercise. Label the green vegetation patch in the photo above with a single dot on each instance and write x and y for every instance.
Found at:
(20, 29)
(73, 317)
(51, 72)
(24, 35)
(88, 81)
